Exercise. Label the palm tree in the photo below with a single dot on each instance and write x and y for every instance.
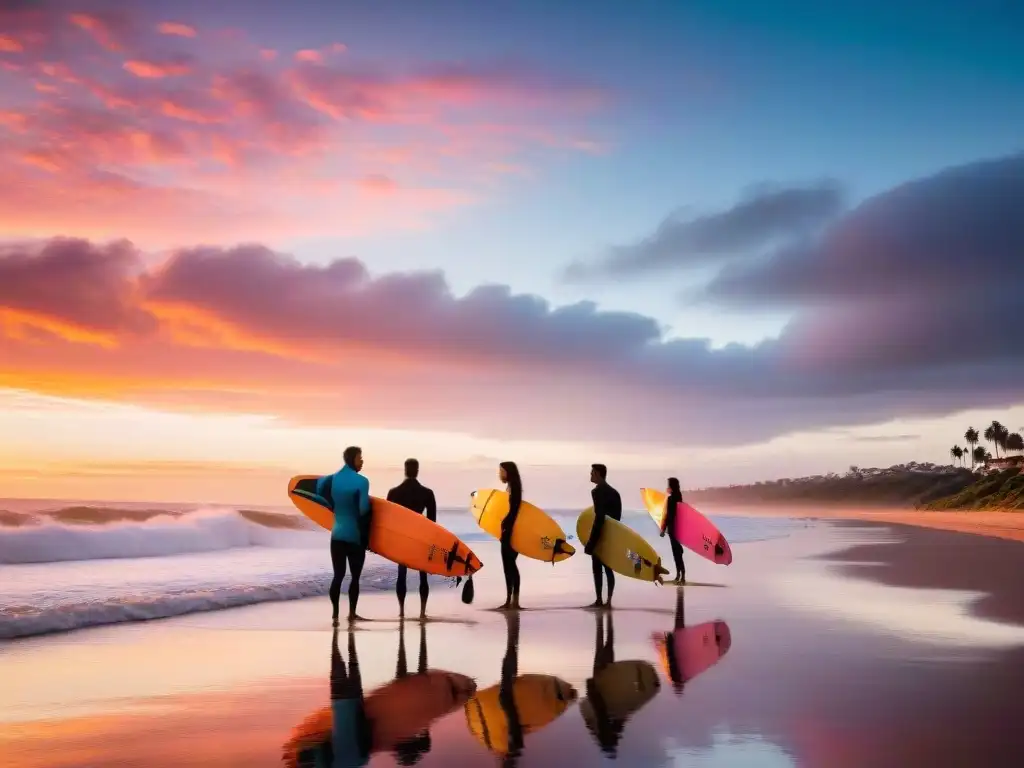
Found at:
(994, 434)
(971, 436)
(956, 452)
(1014, 442)
(979, 454)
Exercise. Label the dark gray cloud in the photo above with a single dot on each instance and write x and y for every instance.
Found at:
(908, 306)
(763, 215)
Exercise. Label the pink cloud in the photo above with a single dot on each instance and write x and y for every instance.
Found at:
(268, 54)
(156, 70)
(176, 29)
(378, 183)
(309, 55)
(107, 30)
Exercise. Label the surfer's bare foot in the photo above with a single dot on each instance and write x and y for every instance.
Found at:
(595, 604)
(354, 617)
(334, 621)
(503, 607)
(423, 613)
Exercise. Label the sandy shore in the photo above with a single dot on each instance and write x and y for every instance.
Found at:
(845, 644)
(1003, 525)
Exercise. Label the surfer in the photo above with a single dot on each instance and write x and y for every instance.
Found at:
(607, 503)
(349, 495)
(508, 473)
(411, 494)
(675, 496)
(506, 698)
(606, 729)
(411, 751)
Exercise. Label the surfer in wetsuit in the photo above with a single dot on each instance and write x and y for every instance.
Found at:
(509, 673)
(675, 496)
(412, 750)
(420, 499)
(349, 495)
(607, 503)
(607, 730)
(508, 473)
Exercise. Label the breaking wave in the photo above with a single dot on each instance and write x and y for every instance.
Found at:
(100, 533)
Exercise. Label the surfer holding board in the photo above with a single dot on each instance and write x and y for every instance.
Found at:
(607, 503)
(675, 497)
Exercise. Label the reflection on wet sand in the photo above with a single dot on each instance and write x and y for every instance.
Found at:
(502, 715)
(686, 652)
(395, 717)
(617, 689)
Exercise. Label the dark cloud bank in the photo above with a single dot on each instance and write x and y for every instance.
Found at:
(910, 304)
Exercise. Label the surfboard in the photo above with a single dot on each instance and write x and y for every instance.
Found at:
(695, 648)
(621, 548)
(536, 534)
(396, 533)
(694, 531)
(539, 701)
(396, 712)
(623, 687)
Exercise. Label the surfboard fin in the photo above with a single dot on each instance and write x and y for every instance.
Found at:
(468, 591)
(557, 549)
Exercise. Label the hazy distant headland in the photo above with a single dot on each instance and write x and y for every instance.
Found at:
(903, 485)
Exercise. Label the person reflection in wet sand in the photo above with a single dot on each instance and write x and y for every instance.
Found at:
(509, 673)
(349, 742)
(675, 671)
(606, 729)
(411, 751)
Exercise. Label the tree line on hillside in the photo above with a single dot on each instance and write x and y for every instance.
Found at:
(995, 433)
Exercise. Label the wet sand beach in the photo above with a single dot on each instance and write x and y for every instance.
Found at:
(843, 644)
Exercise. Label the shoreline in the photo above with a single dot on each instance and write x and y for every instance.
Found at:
(991, 523)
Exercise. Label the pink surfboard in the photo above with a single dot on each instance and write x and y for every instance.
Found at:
(694, 531)
(695, 649)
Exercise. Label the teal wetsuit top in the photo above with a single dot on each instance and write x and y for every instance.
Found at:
(349, 493)
(348, 752)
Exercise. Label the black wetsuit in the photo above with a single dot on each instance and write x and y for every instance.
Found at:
(670, 519)
(411, 750)
(607, 503)
(606, 729)
(413, 495)
(509, 673)
(509, 555)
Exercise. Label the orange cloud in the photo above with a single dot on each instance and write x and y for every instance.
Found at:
(9, 45)
(155, 70)
(176, 29)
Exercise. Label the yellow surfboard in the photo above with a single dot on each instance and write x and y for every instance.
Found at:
(621, 548)
(539, 701)
(535, 535)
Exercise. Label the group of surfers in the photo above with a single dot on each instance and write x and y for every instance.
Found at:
(348, 491)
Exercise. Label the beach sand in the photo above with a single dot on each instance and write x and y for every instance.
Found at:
(850, 644)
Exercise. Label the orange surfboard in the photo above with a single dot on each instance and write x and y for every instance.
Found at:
(396, 712)
(396, 533)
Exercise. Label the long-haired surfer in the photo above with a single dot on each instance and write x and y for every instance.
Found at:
(508, 473)
(411, 751)
(349, 494)
(509, 673)
(607, 503)
(411, 494)
(674, 498)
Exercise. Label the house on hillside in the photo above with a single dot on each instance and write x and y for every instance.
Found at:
(1003, 462)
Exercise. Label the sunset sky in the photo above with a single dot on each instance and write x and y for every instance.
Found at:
(723, 240)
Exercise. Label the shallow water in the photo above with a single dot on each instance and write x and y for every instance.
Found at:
(799, 684)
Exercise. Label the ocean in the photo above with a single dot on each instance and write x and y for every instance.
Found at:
(65, 566)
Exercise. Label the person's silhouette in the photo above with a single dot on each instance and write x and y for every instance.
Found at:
(509, 673)
(606, 729)
(411, 751)
(670, 645)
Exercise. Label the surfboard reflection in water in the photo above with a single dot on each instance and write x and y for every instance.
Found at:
(503, 715)
(393, 718)
(617, 689)
(686, 652)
